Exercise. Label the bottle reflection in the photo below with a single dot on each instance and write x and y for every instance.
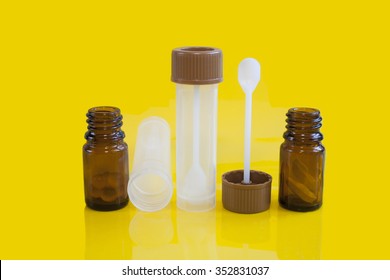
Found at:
(299, 234)
(106, 234)
(151, 234)
(197, 234)
(245, 236)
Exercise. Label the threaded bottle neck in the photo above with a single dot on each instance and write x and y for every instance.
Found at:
(104, 123)
(303, 125)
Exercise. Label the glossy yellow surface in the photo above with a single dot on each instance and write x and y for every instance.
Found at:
(59, 58)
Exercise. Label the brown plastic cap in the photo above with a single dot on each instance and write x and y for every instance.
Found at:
(196, 65)
(246, 198)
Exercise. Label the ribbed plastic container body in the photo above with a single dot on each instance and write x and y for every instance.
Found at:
(150, 185)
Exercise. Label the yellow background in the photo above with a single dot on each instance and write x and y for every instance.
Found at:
(59, 58)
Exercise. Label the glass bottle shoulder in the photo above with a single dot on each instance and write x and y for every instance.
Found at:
(104, 147)
(292, 146)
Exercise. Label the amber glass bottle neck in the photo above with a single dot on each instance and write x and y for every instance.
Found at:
(303, 125)
(104, 123)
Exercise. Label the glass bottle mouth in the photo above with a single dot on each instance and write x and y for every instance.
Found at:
(104, 111)
(304, 112)
(104, 114)
(305, 117)
(104, 122)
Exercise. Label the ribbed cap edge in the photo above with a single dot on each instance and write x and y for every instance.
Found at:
(196, 65)
(246, 199)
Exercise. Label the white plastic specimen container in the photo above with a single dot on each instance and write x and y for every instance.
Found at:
(150, 185)
(196, 72)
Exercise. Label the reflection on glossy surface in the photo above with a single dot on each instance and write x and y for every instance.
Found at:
(299, 234)
(151, 229)
(218, 234)
(151, 234)
(250, 228)
(245, 236)
(107, 235)
(196, 234)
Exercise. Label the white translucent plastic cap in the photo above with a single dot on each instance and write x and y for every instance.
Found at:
(150, 185)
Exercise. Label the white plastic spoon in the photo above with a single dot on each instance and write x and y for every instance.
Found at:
(195, 185)
(248, 77)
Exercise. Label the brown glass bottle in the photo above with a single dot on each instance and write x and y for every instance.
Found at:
(302, 161)
(105, 155)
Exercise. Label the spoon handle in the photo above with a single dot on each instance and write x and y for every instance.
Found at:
(247, 147)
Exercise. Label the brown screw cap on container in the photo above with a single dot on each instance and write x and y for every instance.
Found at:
(246, 198)
(196, 65)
